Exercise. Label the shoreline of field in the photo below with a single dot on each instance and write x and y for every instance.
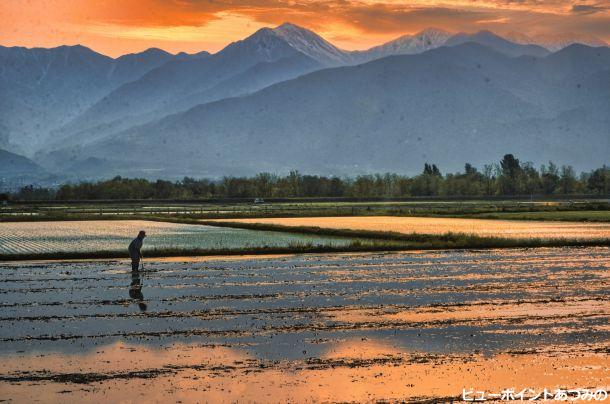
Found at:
(361, 241)
(380, 242)
(560, 216)
(397, 227)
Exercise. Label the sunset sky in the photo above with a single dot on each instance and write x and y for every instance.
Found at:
(116, 27)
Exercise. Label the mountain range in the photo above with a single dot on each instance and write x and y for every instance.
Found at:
(285, 98)
(555, 43)
(44, 89)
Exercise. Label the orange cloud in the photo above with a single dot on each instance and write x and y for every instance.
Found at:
(149, 13)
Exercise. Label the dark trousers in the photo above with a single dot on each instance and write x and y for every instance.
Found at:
(135, 264)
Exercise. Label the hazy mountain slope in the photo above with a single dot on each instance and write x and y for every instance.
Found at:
(134, 65)
(150, 92)
(4, 139)
(577, 61)
(92, 110)
(14, 165)
(179, 85)
(42, 89)
(178, 79)
(497, 43)
(560, 41)
(555, 82)
(390, 114)
(555, 42)
(449, 105)
(255, 78)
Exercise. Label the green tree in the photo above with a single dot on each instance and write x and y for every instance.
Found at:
(32, 193)
(549, 176)
(489, 178)
(510, 175)
(599, 181)
(567, 180)
(429, 182)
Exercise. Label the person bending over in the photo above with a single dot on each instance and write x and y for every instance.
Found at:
(135, 250)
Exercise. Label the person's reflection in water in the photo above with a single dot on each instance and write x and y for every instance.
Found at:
(135, 290)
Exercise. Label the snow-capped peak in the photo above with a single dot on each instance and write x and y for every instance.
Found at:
(286, 40)
(429, 38)
(311, 44)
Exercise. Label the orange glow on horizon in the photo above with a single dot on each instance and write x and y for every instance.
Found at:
(116, 27)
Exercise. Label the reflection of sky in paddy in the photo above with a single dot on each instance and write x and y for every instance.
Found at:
(344, 316)
(356, 370)
(296, 307)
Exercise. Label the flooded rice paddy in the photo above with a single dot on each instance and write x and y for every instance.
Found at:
(341, 327)
(115, 235)
(433, 225)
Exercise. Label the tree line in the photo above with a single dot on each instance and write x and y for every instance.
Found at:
(509, 177)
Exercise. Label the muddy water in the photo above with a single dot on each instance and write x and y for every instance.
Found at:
(353, 327)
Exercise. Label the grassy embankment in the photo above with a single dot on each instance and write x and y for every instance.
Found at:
(588, 211)
(568, 216)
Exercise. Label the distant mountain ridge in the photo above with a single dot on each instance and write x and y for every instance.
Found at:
(555, 43)
(42, 89)
(53, 95)
(425, 40)
(448, 105)
(65, 104)
(14, 165)
(498, 43)
(179, 86)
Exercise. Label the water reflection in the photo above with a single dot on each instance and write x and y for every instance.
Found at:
(135, 289)
(347, 327)
(353, 371)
